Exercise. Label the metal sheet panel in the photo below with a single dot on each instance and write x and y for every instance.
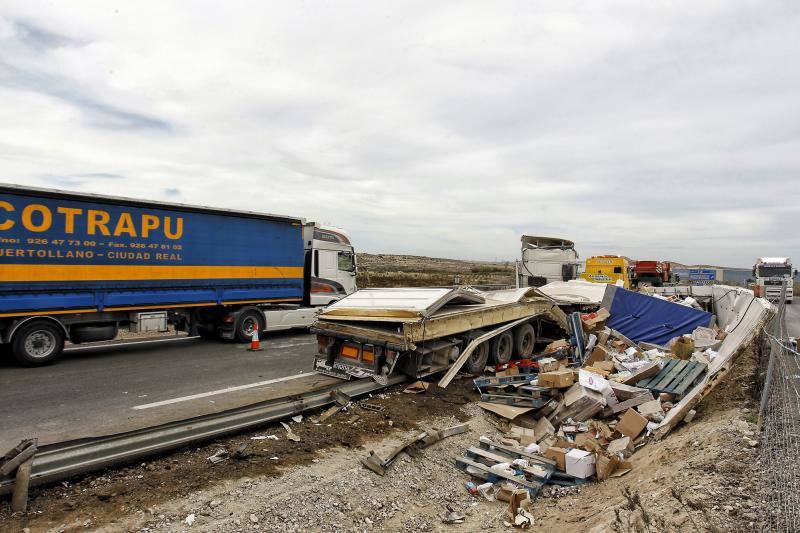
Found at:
(401, 302)
(574, 292)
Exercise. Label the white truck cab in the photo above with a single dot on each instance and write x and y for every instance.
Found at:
(772, 273)
(332, 262)
(545, 260)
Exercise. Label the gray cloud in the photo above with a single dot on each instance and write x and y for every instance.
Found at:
(664, 131)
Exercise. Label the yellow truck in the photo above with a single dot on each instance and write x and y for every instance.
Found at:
(607, 269)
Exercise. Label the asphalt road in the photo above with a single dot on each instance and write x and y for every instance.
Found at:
(108, 389)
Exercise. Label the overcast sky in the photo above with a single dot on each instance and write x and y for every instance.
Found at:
(655, 130)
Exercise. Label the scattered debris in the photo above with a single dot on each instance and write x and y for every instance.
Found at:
(412, 447)
(452, 517)
(417, 387)
(289, 433)
(221, 455)
(189, 520)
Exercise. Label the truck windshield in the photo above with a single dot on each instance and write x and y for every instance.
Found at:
(768, 272)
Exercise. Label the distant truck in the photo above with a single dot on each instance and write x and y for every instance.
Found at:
(607, 269)
(545, 260)
(653, 273)
(77, 267)
(772, 273)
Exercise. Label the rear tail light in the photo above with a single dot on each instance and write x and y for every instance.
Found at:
(229, 318)
(368, 356)
(351, 352)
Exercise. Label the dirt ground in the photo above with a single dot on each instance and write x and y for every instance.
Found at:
(702, 477)
(388, 270)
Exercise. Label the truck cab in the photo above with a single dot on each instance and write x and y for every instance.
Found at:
(607, 269)
(771, 274)
(545, 260)
(333, 263)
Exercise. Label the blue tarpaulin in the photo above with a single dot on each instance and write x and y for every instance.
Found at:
(644, 318)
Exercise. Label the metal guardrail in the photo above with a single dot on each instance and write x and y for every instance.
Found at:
(63, 460)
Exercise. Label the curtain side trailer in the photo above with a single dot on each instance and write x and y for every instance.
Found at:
(77, 267)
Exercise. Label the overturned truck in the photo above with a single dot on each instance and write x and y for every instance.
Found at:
(420, 331)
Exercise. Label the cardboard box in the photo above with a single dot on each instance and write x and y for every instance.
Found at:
(603, 335)
(622, 446)
(559, 455)
(607, 366)
(510, 371)
(543, 429)
(653, 407)
(548, 364)
(595, 321)
(587, 441)
(558, 379)
(524, 435)
(556, 345)
(631, 424)
(610, 466)
(683, 348)
(580, 463)
(600, 353)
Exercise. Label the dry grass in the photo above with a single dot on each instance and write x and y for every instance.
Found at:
(386, 270)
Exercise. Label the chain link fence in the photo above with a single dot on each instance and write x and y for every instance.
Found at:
(779, 416)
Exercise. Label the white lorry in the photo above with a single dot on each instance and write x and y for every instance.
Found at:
(772, 273)
(545, 260)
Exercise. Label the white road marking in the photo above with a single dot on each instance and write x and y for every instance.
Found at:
(115, 345)
(220, 391)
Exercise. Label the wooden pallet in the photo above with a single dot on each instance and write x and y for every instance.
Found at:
(495, 381)
(677, 377)
(482, 471)
(515, 400)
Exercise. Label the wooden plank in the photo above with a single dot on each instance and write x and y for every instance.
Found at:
(643, 374)
(487, 444)
(690, 379)
(633, 402)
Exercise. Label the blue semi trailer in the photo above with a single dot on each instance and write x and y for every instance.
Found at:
(77, 267)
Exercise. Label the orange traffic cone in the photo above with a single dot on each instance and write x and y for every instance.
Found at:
(255, 344)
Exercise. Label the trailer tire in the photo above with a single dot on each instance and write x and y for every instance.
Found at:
(37, 343)
(502, 347)
(524, 339)
(245, 325)
(478, 359)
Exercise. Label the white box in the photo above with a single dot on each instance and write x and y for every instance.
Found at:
(580, 463)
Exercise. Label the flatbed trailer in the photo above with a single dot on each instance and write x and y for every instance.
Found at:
(420, 331)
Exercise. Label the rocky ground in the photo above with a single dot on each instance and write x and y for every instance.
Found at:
(702, 477)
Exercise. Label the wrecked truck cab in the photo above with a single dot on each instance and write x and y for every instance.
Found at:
(420, 331)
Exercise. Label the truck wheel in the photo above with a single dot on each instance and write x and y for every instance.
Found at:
(524, 339)
(478, 358)
(502, 347)
(37, 343)
(247, 323)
